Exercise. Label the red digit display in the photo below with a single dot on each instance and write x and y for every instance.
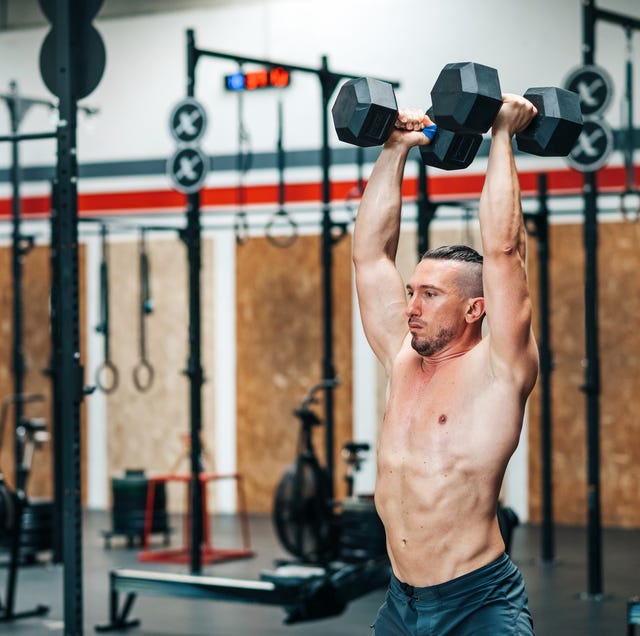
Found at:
(276, 76)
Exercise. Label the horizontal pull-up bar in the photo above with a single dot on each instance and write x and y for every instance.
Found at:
(617, 18)
(243, 59)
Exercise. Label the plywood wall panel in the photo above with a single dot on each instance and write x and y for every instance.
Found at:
(618, 289)
(149, 430)
(279, 344)
(620, 372)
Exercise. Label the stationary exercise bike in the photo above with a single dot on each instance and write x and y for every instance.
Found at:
(303, 513)
(309, 523)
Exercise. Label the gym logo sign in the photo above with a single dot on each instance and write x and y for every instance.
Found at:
(188, 121)
(594, 88)
(594, 146)
(187, 169)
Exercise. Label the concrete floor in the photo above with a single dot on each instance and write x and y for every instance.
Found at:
(555, 590)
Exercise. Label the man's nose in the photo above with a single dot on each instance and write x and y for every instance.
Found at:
(413, 309)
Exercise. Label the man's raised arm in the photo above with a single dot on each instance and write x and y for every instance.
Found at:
(508, 305)
(380, 289)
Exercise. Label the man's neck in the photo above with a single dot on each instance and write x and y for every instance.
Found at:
(449, 353)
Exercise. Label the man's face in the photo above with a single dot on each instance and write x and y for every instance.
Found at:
(435, 310)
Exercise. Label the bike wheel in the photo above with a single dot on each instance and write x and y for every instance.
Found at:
(302, 512)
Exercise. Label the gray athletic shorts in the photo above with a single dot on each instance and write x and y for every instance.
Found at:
(490, 601)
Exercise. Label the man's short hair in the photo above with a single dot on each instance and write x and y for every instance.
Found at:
(470, 279)
(454, 253)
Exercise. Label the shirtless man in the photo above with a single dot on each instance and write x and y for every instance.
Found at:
(456, 400)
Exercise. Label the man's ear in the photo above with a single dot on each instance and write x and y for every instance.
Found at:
(475, 309)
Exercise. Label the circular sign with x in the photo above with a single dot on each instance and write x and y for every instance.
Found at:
(188, 121)
(593, 147)
(187, 168)
(594, 87)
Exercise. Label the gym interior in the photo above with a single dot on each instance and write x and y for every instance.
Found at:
(189, 407)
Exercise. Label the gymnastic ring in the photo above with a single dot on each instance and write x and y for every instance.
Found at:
(112, 371)
(141, 371)
(281, 241)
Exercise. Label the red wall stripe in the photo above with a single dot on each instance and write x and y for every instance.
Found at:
(450, 185)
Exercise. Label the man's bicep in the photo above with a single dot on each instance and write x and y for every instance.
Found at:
(382, 303)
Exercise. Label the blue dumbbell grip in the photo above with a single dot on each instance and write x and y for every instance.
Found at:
(430, 131)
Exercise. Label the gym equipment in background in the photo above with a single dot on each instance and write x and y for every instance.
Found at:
(107, 376)
(361, 534)
(129, 504)
(149, 518)
(309, 524)
(302, 510)
(340, 549)
(143, 372)
(35, 513)
(281, 219)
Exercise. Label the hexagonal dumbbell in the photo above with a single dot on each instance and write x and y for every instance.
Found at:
(557, 126)
(466, 97)
(366, 110)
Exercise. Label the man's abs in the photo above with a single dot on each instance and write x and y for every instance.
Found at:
(437, 528)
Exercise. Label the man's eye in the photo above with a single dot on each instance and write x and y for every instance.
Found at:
(431, 294)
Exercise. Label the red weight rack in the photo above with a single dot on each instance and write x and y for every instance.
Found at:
(209, 553)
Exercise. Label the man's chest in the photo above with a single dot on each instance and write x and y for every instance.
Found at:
(434, 415)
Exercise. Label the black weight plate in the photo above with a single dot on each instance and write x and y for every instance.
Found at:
(89, 59)
(37, 515)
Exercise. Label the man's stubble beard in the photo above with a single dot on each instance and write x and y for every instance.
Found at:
(429, 347)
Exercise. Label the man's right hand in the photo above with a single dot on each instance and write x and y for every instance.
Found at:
(409, 127)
